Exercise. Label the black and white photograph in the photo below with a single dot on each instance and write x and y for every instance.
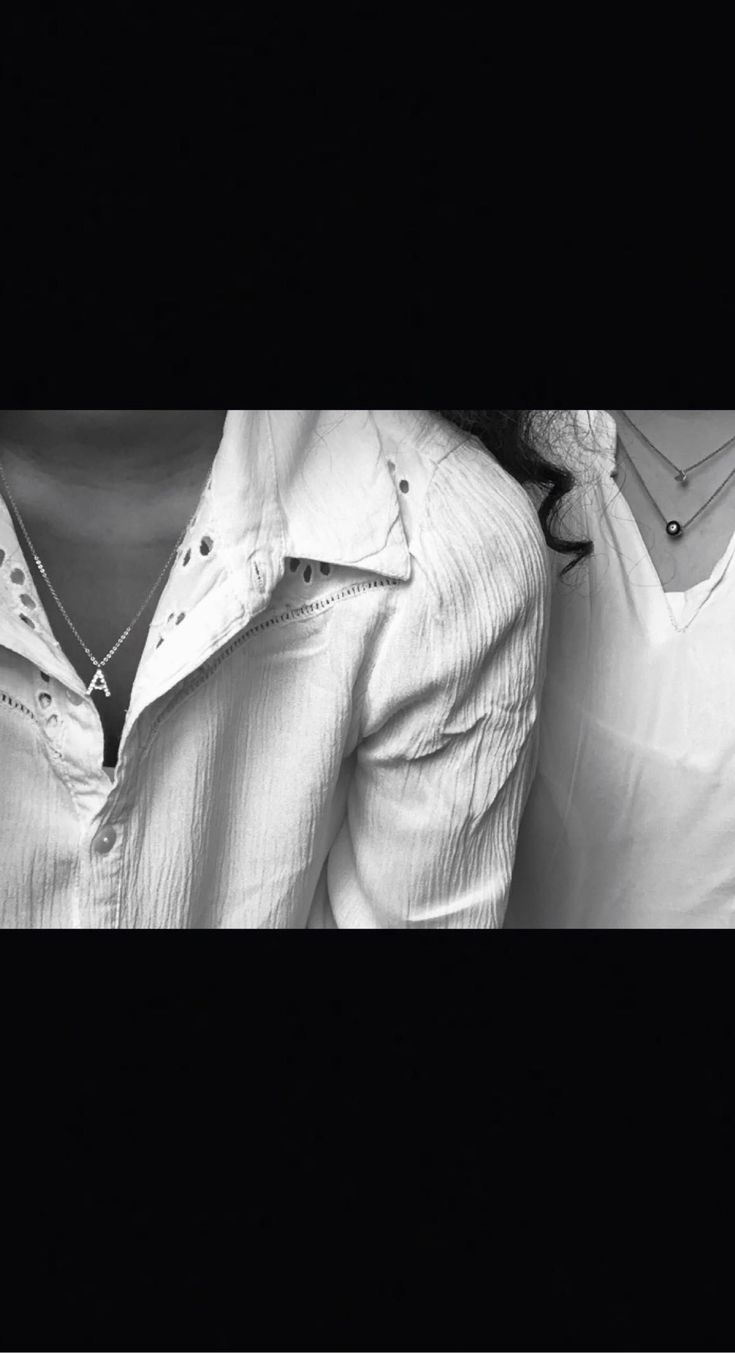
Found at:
(366, 669)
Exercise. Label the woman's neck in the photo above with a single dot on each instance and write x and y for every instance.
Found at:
(92, 473)
(677, 432)
(98, 446)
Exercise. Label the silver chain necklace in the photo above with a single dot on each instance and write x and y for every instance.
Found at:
(98, 682)
(674, 527)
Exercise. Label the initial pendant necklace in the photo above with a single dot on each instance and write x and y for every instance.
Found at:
(98, 682)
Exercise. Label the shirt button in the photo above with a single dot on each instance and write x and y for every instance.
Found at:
(74, 698)
(104, 840)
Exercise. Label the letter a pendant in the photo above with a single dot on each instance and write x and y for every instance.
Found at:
(98, 683)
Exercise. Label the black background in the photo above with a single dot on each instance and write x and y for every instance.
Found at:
(363, 1141)
(366, 1141)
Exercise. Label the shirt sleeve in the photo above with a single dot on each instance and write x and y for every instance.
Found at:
(449, 716)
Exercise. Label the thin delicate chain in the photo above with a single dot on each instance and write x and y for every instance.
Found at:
(42, 571)
(680, 474)
(655, 504)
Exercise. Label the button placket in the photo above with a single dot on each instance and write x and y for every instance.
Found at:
(17, 577)
(45, 702)
(204, 550)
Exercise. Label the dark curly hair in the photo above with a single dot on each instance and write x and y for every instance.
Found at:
(513, 437)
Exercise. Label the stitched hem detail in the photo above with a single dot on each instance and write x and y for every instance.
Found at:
(16, 704)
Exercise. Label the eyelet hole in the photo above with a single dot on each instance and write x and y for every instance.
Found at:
(160, 641)
(307, 573)
(325, 569)
(180, 617)
(28, 601)
(45, 676)
(403, 486)
(27, 620)
(205, 545)
(186, 559)
(44, 699)
(17, 576)
(293, 564)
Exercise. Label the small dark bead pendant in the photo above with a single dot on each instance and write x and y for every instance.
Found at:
(673, 528)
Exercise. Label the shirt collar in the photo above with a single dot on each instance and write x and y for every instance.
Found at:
(309, 484)
(285, 483)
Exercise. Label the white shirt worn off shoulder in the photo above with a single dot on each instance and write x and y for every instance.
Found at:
(341, 732)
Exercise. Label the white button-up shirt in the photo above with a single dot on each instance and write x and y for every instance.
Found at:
(333, 723)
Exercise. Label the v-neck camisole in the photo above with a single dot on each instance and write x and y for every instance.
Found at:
(631, 817)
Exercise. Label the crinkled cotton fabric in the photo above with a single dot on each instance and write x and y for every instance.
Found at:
(333, 723)
(629, 823)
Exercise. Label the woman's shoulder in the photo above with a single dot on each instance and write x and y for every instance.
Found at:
(469, 517)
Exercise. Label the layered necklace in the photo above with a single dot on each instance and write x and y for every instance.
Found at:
(674, 527)
(98, 682)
